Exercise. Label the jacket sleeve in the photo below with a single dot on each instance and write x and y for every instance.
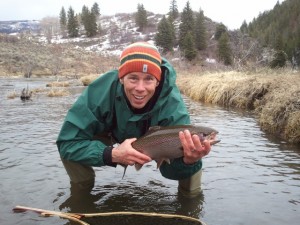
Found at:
(76, 145)
(179, 115)
(84, 120)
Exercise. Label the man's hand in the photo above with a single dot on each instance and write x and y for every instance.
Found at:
(125, 154)
(193, 148)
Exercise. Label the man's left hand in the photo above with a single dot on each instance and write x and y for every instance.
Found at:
(193, 148)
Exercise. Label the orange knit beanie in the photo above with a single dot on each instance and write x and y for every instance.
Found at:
(140, 57)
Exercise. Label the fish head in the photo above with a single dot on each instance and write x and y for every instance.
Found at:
(205, 133)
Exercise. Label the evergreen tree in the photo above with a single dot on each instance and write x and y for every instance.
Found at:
(173, 12)
(96, 10)
(88, 19)
(63, 21)
(84, 14)
(72, 23)
(221, 28)
(283, 20)
(190, 51)
(279, 60)
(200, 31)
(224, 49)
(187, 24)
(244, 27)
(165, 35)
(92, 30)
(279, 43)
(280, 57)
(141, 17)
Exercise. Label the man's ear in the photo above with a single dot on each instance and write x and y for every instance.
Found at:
(157, 83)
(121, 80)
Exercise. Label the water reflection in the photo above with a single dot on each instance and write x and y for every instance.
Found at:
(124, 198)
(248, 178)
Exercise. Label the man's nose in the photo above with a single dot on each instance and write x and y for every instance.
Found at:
(140, 85)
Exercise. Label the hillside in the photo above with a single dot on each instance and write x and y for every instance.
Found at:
(278, 28)
(20, 53)
(252, 46)
(34, 54)
(18, 26)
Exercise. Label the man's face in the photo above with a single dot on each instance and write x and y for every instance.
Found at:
(139, 88)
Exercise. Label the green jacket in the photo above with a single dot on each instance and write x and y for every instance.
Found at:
(102, 108)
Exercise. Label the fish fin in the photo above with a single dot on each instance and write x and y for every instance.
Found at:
(125, 167)
(152, 130)
(138, 166)
(160, 162)
(167, 161)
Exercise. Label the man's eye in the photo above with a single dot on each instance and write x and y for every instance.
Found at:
(149, 78)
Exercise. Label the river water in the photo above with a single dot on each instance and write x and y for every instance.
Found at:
(248, 178)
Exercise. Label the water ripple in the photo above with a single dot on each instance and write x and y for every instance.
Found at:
(248, 173)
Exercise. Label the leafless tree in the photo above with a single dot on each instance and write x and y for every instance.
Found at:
(50, 27)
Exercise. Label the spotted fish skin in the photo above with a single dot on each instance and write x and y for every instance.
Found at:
(163, 143)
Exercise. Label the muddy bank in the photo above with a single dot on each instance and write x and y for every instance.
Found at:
(274, 96)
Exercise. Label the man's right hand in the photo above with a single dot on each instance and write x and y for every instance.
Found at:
(125, 154)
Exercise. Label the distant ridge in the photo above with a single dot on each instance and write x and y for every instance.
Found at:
(17, 26)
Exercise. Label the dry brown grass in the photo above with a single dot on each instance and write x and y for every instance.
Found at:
(49, 60)
(53, 92)
(273, 95)
(58, 84)
(39, 90)
(86, 80)
(12, 95)
(57, 93)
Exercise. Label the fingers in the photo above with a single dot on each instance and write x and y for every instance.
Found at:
(136, 156)
(183, 140)
(127, 155)
(197, 142)
(206, 147)
(140, 158)
(186, 140)
(194, 148)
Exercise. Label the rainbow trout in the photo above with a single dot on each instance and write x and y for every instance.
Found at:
(163, 143)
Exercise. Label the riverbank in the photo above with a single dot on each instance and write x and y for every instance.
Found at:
(273, 95)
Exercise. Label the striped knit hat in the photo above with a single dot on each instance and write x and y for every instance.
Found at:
(140, 57)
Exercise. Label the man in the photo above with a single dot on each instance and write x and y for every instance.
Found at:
(121, 105)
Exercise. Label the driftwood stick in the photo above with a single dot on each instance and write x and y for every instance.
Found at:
(71, 216)
(77, 216)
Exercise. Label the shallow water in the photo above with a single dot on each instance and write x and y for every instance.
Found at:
(248, 178)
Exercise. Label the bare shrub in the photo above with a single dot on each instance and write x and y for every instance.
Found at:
(8, 38)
